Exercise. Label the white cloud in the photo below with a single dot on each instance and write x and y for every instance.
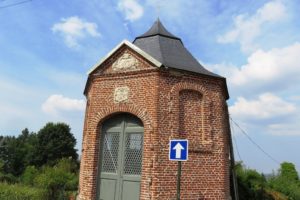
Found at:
(74, 28)
(295, 98)
(284, 129)
(247, 28)
(270, 66)
(265, 68)
(11, 111)
(276, 70)
(131, 8)
(56, 103)
(224, 69)
(265, 107)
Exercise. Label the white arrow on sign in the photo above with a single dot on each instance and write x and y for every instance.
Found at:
(178, 147)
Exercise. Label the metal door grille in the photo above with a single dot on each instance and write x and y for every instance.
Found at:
(110, 152)
(133, 153)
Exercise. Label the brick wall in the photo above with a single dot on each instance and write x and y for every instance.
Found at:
(171, 104)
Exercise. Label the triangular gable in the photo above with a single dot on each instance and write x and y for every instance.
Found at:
(131, 46)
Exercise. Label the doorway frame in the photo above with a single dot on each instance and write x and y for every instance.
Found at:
(100, 137)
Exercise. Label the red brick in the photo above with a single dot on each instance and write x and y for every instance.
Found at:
(171, 104)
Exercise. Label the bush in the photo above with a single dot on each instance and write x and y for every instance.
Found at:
(251, 184)
(286, 181)
(58, 179)
(8, 178)
(19, 192)
(28, 176)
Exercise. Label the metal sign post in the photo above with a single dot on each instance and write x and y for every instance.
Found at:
(178, 151)
(178, 180)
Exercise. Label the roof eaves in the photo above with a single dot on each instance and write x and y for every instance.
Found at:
(133, 47)
(171, 37)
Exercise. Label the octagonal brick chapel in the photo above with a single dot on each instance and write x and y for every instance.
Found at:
(139, 96)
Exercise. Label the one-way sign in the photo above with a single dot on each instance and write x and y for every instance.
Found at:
(178, 150)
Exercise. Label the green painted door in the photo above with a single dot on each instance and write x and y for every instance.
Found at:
(120, 158)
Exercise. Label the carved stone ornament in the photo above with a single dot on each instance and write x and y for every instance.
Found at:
(125, 63)
(121, 94)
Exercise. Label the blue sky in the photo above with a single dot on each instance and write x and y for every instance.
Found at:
(46, 48)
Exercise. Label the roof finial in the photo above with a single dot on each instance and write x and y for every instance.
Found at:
(158, 8)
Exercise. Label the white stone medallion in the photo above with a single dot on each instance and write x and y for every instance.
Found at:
(121, 94)
(126, 62)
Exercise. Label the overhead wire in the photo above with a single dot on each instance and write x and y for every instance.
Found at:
(14, 4)
(234, 141)
(253, 142)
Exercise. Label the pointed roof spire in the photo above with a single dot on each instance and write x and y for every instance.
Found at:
(169, 50)
(158, 29)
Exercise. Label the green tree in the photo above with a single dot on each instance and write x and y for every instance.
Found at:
(59, 179)
(55, 141)
(286, 181)
(288, 171)
(29, 144)
(29, 175)
(18, 152)
(251, 184)
(12, 155)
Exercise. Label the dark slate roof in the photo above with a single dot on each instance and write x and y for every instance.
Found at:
(158, 29)
(169, 50)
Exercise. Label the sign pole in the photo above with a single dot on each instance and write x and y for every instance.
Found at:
(178, 179)
(178, 151)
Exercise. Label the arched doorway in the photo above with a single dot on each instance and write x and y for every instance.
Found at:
(120, 165)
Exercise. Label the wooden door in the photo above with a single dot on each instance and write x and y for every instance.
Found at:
(120, 158)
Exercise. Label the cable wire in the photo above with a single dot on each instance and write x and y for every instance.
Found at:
(253, 142)
(14, 4)
(235, 143)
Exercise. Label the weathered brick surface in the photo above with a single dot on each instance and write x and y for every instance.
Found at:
(171, 104)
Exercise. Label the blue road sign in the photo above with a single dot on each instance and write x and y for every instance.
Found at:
(178, 150)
